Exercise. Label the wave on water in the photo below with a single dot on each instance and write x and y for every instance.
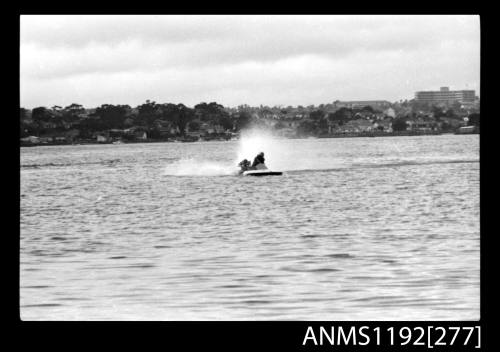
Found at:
(383, 165)
(42, 165)
(411, 162)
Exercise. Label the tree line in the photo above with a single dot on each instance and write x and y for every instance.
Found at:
(149, 116)
(155, 118)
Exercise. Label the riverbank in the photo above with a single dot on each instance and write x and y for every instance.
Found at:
(380, 134)
(190, 140)
(46, 141)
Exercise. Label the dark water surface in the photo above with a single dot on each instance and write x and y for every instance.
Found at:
(355, 229)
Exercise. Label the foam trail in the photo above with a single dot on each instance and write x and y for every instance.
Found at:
(193, 167)
(281, 154)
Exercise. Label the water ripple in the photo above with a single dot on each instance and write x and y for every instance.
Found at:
(355, 229)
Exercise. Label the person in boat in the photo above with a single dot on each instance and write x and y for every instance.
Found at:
(244, 165)
(258, 162)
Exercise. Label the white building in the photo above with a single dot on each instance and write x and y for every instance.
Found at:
(445, 95)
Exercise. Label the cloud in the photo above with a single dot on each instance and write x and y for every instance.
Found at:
(202, 56)
(79, 31)
(302, 80)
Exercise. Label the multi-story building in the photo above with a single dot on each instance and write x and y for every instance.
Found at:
(445, 95)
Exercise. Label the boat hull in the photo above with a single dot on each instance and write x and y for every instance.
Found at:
(262, 173)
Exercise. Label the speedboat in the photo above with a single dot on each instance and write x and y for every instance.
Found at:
(259, 170)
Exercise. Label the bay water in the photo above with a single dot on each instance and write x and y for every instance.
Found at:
(383, 228)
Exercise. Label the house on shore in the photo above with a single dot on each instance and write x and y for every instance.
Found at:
(383, 125)
(137, 133)
(466, 130)
(100, 138)
(194, 134)
(358, 125)
(421, 124)
(31, 139)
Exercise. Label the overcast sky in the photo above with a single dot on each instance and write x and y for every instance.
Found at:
(233, 60)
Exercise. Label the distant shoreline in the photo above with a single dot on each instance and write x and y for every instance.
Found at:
(180, 140)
